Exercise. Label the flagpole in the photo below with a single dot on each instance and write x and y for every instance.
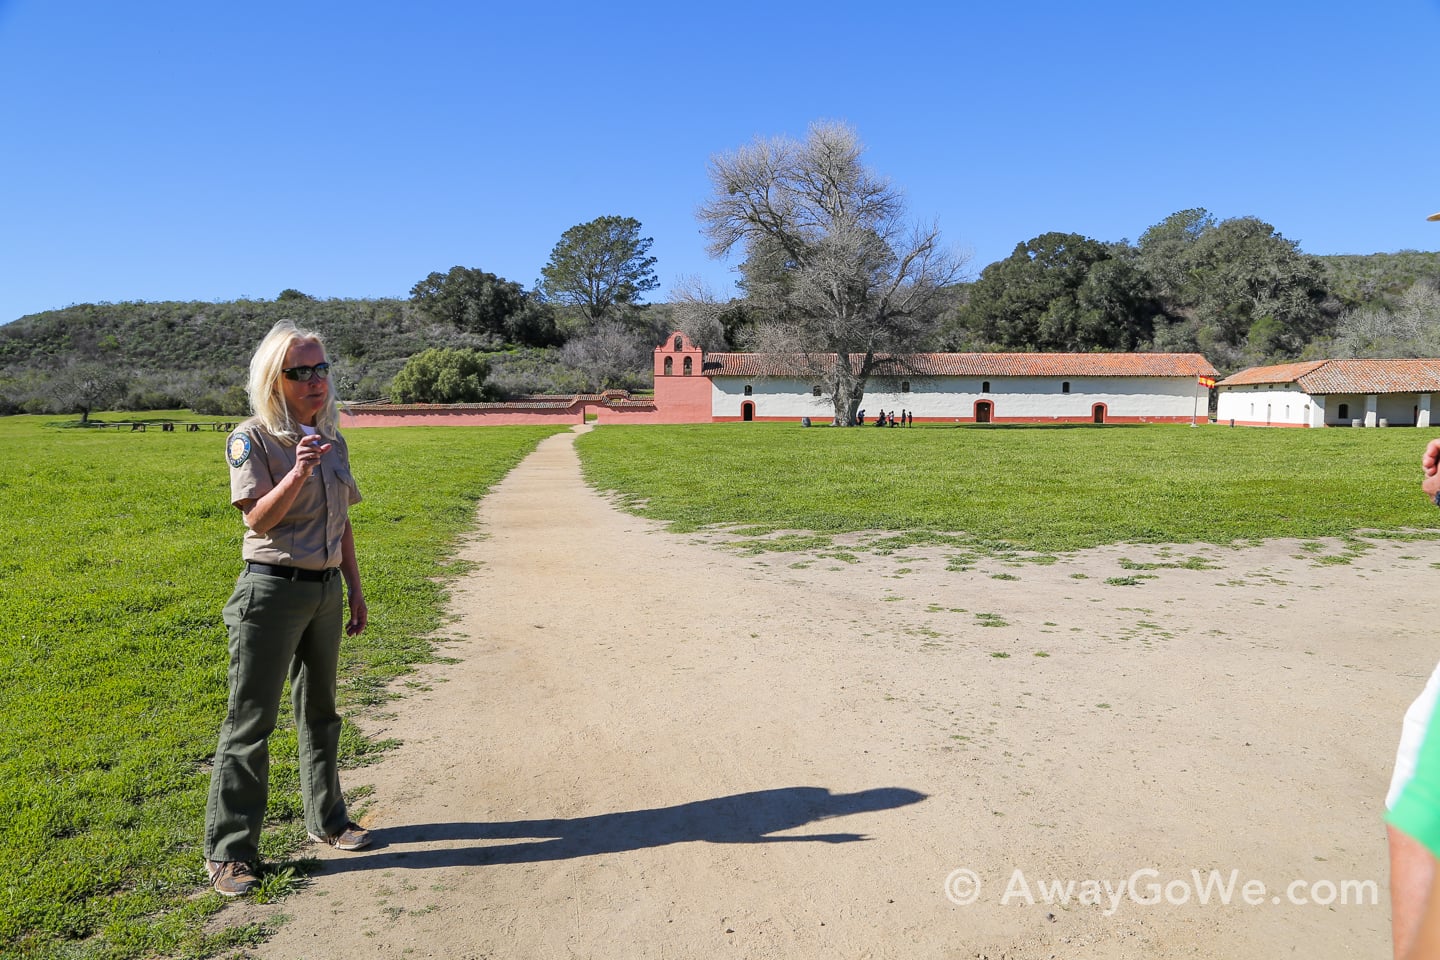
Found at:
(1195, 410)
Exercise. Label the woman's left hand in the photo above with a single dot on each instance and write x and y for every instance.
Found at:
(359, 616)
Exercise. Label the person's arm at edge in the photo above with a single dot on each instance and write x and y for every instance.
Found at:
(350, 570)
(1426, 943)
(1430, 463)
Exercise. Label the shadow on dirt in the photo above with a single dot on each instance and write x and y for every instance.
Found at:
(741, 818)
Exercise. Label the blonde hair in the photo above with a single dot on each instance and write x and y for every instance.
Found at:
(267, 398)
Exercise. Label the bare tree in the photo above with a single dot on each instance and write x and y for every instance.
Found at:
(1411, 329)
(846, 285)
(610, 355)
(697, 313)
(83, 385)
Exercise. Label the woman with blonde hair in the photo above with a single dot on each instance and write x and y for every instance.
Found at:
(290, 478)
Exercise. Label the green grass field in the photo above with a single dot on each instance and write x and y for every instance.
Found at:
(1028, 488)
(117, 551)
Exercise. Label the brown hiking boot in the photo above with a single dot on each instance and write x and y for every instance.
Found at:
(352, 837)
(231, 878)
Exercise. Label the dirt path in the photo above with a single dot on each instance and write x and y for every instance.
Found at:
(648, 746)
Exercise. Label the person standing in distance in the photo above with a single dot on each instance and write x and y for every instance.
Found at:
(290, 478)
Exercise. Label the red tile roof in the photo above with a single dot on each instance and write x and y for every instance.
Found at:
(1347, 376)
(980, 364)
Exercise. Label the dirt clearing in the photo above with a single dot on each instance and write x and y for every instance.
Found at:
(653, 746)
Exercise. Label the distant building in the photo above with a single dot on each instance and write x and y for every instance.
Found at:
(1331, 393)
(694, 387)
(941, 387)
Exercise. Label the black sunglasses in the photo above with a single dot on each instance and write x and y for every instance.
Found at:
(321, 370)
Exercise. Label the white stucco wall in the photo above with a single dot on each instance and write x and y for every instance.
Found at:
(942, 398)
(1265, 404)
(1247, 404)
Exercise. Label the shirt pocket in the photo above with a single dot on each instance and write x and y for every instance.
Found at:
(347, 482)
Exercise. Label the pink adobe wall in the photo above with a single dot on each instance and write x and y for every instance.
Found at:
(414, 415)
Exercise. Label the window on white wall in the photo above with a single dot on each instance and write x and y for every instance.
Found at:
(815, 390)
(985, 387)
(749, 390)
(904, 386)
(1065, 386)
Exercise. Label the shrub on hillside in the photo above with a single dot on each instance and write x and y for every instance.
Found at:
(442, 375)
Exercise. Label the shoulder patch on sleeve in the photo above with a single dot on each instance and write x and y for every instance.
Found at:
(237, 450)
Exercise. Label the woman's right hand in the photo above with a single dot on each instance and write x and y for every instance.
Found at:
(308, 453)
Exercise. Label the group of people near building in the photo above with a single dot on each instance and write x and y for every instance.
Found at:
(892, 419)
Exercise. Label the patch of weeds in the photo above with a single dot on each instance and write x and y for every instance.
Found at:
(1079, 576)
(278, 883)
(1189, 563)
(1003, 576)
(1103, 706)
(368, 689)
(842, 555)
(1000, 655)
(890, 599)
(784, 543)
(991, 620)
(1332, 559)
(1043, 559)
(1406, 535)
(1041, 653)
(1127, 581)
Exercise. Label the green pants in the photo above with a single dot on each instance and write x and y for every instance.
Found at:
(278, 628)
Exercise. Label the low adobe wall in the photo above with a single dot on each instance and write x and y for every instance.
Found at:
(459, 415)
(564, 410)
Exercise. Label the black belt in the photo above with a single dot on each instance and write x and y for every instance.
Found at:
(291, 573)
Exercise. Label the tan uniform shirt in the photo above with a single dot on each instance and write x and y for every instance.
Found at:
(309, 535)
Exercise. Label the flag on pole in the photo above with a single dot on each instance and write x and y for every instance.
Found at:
(1207, 381)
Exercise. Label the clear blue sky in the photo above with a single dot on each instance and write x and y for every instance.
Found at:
(165, 150)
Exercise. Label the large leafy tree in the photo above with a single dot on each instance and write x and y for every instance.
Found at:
(843, 281)
(600, 267)
(471, 300)
(1236, 290)
(1060, 291)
